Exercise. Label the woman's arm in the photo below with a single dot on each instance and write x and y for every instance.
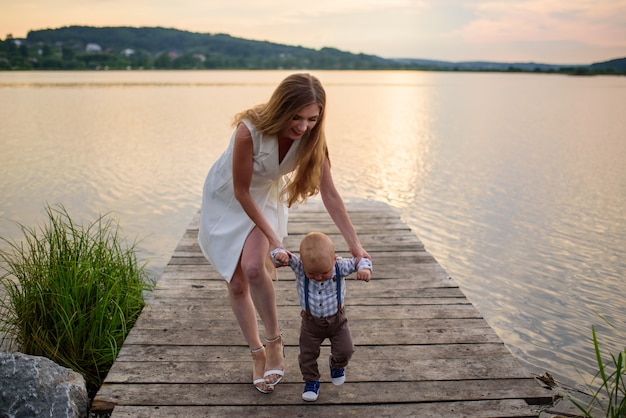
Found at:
(242, 178)
(337, 211)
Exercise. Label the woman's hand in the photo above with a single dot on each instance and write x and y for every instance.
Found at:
(359, 253)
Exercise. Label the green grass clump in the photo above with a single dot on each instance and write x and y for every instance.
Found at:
(609, 396)
(73, 293)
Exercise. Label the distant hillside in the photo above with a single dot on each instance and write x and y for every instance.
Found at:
(616, 66)
(86, 47)
(204, 50)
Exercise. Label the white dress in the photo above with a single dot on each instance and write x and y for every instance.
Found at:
(224, 226)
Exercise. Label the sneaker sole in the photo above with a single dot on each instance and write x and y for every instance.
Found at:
(309, 398)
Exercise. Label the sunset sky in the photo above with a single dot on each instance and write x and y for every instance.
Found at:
(546, 31)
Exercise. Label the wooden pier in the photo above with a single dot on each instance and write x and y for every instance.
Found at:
(422, 349)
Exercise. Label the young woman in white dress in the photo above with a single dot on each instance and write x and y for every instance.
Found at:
(277, 156)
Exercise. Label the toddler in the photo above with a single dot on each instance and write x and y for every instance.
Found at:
(321, 289)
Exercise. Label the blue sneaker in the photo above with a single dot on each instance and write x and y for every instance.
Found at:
(337, 376)
(311, 390)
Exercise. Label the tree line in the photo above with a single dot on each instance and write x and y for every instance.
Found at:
(117, 48)
(81, 47)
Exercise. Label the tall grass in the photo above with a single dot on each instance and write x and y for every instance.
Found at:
(73, 292)
(609, 396)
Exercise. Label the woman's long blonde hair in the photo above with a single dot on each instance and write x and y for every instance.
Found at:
(293, 94)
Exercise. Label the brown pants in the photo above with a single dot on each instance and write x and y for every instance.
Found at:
(313, 332)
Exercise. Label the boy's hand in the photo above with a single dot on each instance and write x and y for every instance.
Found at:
(364, 274)
(280, 257)
(283, 258)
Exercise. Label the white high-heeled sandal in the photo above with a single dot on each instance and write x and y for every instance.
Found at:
(280, 373)
(266, 388)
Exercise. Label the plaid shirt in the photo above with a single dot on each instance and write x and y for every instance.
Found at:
(323, 295)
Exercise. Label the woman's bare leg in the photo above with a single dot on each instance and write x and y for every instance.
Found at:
(253, 257)
(243, 308)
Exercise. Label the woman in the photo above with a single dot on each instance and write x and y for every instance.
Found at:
(245, 205)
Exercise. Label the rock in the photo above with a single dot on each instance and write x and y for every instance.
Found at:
(32, 386)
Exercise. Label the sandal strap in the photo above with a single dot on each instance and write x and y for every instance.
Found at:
(256, 350)
(273, 340)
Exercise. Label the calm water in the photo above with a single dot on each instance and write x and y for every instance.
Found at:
(516, 183)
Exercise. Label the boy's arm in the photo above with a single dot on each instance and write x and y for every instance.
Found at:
(363, 269)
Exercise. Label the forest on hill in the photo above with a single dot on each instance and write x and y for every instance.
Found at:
(82, 47)
(130, 48)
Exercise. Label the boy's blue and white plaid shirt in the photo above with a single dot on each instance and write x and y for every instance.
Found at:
(323, 295)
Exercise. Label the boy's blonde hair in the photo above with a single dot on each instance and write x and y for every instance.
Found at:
(294, 93)
(317, 249)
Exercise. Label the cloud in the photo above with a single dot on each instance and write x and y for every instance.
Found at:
(585, 21)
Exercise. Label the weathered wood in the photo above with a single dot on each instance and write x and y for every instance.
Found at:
(383, 241)
(368, 393)
(482, 398)
(216, 289)
(401, 275)
(422, 349)
(478, 409)
(400, 332)
(360, 370)
(359, 313)
(181, 353)
(165, 307)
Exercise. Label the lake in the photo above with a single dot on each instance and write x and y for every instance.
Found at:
(516, 183)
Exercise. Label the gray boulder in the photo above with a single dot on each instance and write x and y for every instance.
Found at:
(32, 386)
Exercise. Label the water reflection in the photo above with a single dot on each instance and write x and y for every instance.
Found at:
(386, 135)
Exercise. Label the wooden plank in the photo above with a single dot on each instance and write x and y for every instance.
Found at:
(370, 235)
(367, 394)
(287, 295)
(158, 318)
(477, 409)
(360, 370)
(398, 332)
(182, 353)
(169, 305)
(382, 259)
(216, 289)
(384, 241)
(401, 275)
